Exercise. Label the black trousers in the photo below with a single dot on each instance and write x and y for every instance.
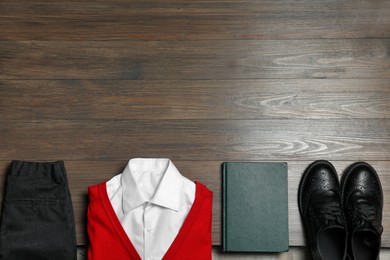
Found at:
(37, 219)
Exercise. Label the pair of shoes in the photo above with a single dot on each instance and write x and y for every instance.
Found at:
(341, 222)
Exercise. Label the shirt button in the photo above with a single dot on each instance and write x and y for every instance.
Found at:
(149, 229)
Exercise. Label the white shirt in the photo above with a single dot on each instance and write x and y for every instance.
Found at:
(151, 200)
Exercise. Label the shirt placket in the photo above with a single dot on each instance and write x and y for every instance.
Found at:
(148, 233)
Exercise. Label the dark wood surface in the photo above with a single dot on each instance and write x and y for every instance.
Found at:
(95, 83)
(192, 20)
(219, 59)
(195, 99)
(337, 139)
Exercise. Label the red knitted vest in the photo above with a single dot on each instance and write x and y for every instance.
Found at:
(108, 240)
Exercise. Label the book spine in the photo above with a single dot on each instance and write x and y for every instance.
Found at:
(224, 200)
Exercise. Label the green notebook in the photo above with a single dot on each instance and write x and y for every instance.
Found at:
(255, 207)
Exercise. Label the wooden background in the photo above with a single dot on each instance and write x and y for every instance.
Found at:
(95, 83)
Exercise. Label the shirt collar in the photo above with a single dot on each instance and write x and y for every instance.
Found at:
(167, 193)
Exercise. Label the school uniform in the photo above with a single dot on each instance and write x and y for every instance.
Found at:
(149, 211)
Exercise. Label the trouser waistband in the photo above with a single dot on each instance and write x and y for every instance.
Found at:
(54, 170)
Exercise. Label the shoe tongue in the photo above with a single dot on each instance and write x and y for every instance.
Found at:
(366, 227)
(335, 227)
(333, 224)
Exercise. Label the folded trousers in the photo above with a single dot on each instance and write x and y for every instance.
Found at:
(37, 221)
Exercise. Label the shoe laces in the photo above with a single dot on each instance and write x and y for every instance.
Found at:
(367, 216)
(331, 212)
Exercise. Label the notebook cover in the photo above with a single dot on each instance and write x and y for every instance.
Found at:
(255, 207)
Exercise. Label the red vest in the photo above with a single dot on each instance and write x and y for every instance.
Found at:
(109, 241)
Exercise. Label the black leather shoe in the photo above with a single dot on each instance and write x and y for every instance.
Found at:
(363, 204)
(319, 202)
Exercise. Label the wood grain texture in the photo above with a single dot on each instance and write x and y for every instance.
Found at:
(194, 99)
(193, 19)
(196, 139)
(82, 174)
(234, 59)
(96, 82)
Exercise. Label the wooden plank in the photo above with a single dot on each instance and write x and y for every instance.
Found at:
(248, 59)
(82, 174)
(193, 20)
(200, 99)
(298, 139)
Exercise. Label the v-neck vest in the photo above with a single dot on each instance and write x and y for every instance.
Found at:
(108, 239)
